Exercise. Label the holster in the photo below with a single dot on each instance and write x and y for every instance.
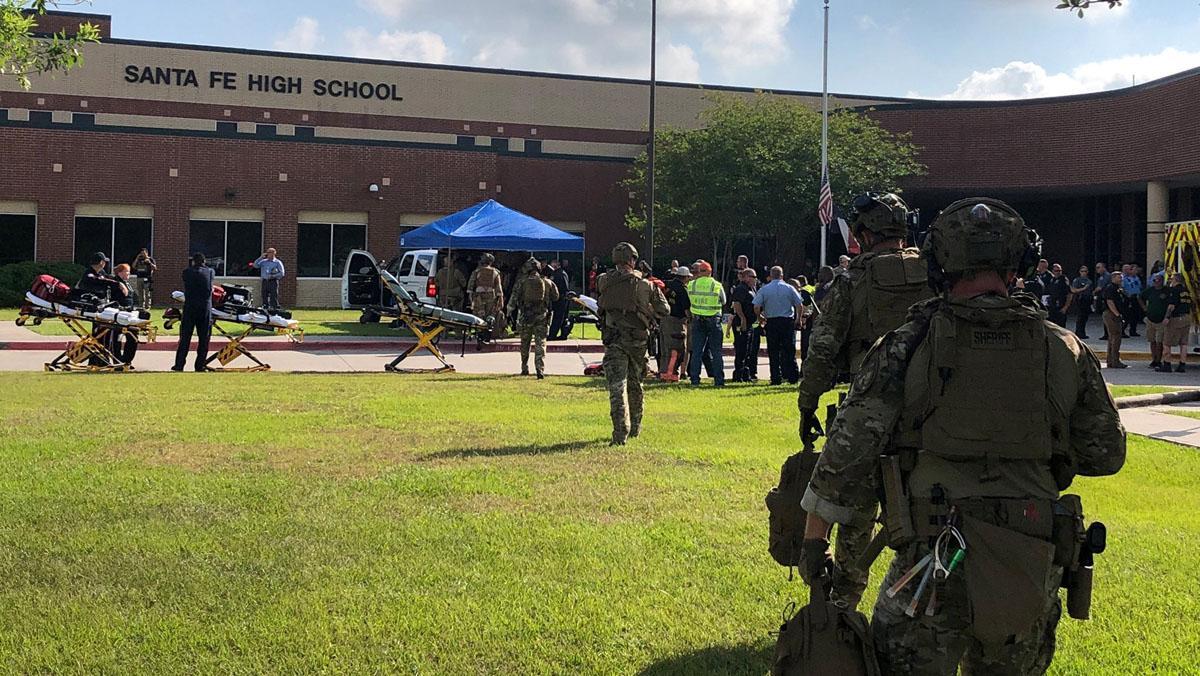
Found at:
(897, 511)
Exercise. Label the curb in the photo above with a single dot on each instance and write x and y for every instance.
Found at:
(1158, 399)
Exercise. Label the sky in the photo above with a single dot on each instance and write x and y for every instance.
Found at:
(959, 49)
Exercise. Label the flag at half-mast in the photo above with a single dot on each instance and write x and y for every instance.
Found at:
(825, 203)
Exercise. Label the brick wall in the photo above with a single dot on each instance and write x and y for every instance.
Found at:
(120, 168)
(54, 22)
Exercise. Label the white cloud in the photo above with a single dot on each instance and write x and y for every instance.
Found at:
(1022, 79)
(391, 9)
(678, 63)
(303, 36)
(866, 23)
(604, 37)
(420, 46)
(737, 32)
(499, 52)
(593, 12)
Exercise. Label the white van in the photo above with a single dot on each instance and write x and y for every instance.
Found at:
(415, 269)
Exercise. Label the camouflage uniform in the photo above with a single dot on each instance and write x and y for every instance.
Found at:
(452, 286)
(533, 295)
(881, 416)
(487, 293)
(629, 306)
(850, 322)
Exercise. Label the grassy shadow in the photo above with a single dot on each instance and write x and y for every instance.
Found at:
(517, 449)
(736, 659)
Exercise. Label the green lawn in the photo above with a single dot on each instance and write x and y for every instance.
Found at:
(444, 525)
(1132, 390)
(314, 322)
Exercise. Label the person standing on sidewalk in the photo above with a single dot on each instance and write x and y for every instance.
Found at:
(779, 304)
(1113, 299)
(746, 336)
(270, 269)
(1081, 299)
(1058, 295)
(673, 327)
(707, 297)
(1179, 323)
(1154, 301)
(197, 313)
(559, 329)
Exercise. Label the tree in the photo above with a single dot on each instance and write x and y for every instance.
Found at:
(753, 169)
(1078, 6)
(22, 54)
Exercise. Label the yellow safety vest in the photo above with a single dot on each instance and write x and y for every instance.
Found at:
(705, 296)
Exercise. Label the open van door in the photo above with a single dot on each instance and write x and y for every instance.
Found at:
(361, 286)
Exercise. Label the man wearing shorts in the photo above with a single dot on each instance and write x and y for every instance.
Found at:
(1154, 301)
(1179, 323)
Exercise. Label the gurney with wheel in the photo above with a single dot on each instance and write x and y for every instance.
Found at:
(425, 320)
(95, 320)
(235, 318)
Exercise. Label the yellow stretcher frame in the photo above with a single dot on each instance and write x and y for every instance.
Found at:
(91, 344)
(236, 348)
(427, 332)
(1183, 255)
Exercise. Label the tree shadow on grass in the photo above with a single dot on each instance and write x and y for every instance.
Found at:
(516, 449)
(723, 659)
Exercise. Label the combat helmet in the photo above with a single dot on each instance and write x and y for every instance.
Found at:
(487, 259)
(883, 213)
(531, 265)
(624, 253)
(979, 234)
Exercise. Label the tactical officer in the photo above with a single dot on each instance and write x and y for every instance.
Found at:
(532, 296)
(451, 285)
(629, 308)
(974, 415)
(871, 299)
(487, 292)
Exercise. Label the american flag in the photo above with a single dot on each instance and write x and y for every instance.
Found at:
(825, 204)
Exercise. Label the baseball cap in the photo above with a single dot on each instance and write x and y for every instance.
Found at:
(97, 257)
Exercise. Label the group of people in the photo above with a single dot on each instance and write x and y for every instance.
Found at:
(482, 292)
(1124, 299)
(981, 459)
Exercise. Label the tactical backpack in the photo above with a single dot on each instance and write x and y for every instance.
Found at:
(891, 283)
(786, 517)
(824, 638)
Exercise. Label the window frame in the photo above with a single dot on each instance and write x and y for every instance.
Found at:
(112, 234)
(331, 226)
(225, 241)
(35, 231)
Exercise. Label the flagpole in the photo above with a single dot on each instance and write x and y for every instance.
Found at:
(650, 150)
(825, 128)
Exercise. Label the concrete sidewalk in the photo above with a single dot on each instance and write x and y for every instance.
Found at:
(1157, 422)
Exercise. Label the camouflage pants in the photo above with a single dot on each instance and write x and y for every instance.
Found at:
(936, 645)
(485, 305)
(624, 368)
(534, 328)
(849, 583)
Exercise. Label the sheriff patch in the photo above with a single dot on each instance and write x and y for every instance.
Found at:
(991, 339)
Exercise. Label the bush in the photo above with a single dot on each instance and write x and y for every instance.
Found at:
(16, 278)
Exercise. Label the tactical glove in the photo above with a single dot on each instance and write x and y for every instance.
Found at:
(815, 561)
(810, 427)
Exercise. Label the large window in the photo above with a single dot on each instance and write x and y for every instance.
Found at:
(120, 238)
(322, 248)
(18, 234)
(231, 247)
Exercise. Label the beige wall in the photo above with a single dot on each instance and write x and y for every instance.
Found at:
(427, 92)
(311, 292)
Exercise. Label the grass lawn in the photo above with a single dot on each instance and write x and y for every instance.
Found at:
(463, 524)
(1132, 390)
(315, 323)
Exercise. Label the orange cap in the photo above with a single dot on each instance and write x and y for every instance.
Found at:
(704, 266)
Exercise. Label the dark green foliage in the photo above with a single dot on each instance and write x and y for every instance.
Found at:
(16, 278)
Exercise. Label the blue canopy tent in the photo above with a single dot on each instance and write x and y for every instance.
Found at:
(491, 226)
